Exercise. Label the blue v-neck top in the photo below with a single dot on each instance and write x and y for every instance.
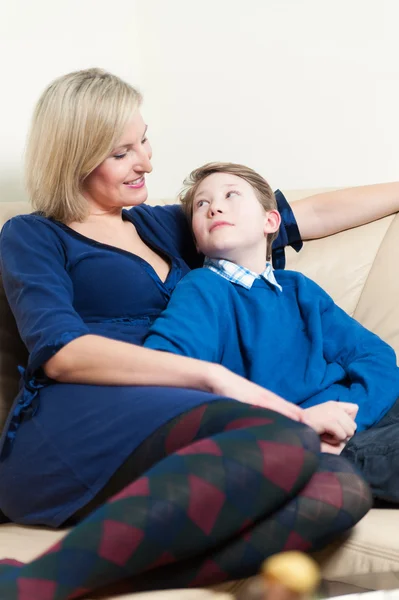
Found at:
(62, 285)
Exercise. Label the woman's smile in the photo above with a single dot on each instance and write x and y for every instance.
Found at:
(136, 183)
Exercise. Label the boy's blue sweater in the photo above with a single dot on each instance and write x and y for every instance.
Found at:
(297, 343)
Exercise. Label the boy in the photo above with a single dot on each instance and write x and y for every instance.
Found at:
(278, 329)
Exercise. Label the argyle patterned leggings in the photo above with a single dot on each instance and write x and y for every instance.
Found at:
(221, 487)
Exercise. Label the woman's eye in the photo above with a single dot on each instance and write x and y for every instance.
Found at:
(144, 140)
(230, 193)
(119, 156)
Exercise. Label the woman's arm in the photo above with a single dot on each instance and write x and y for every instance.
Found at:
(97, 360)
(324, 214)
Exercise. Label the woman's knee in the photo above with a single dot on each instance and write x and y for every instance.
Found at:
(346, 485)
(310, 439)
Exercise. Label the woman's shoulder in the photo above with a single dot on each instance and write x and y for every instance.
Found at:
(28, 222)
(168, 224)
(169, 218)
(30, 232)
(157, 212)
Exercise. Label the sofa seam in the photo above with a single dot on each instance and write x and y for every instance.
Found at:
(366, 550)
(373, 261)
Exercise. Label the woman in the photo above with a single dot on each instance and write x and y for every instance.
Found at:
(210, 475)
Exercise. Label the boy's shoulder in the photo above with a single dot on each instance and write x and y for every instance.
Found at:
(297, 281)
(213, 284)
(202, 286)
(205, 277)
(290, 278)
(207, 284)
(303, 289)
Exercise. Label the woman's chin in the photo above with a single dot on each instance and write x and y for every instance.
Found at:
(136, 198)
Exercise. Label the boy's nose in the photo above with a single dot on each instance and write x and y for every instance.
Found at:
(213, 210)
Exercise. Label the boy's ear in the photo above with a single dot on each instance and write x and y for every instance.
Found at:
(272, 221)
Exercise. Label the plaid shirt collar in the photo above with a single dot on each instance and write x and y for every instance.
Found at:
(240, 275)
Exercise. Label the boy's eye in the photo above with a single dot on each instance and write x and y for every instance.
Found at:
(144, 140)
(201, 203)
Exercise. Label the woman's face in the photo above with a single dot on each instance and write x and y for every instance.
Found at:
(120, 180)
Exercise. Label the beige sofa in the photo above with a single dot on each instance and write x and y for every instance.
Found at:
(359, 269)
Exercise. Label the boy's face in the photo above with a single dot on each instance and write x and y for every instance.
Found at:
(229, 221)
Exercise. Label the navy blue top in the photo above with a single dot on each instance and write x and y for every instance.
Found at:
(62, 442)
(297, 343)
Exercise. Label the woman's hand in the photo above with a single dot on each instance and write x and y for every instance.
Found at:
(333, 421)
(327, 213)
(227, 383)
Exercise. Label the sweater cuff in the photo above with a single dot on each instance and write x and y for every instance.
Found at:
(288, 233)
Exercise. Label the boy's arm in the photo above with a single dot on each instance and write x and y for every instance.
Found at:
(369, 363)
(191, 324)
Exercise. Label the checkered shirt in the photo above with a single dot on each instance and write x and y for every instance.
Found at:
(240, 275)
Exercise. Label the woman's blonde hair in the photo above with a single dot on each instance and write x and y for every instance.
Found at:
(76, 124)
(262, 189)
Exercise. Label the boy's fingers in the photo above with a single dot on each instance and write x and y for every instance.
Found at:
(348, 424)
(341, 427)
(350, 408)
(336, 430)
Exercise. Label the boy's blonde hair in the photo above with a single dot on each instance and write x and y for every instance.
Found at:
(262, 189)
(76, 124)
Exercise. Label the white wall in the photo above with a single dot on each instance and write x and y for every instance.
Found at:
(305, 91)
(44, 39)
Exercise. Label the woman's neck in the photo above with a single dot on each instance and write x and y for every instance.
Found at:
(96, 214)
(100, 218)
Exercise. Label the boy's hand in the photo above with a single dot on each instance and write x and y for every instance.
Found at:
(333, 421)
(331, 448)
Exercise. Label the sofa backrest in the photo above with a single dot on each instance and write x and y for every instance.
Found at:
(357, 267)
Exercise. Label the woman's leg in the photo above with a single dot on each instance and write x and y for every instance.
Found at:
(334, 500)
(199, 423)
(209, 497)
